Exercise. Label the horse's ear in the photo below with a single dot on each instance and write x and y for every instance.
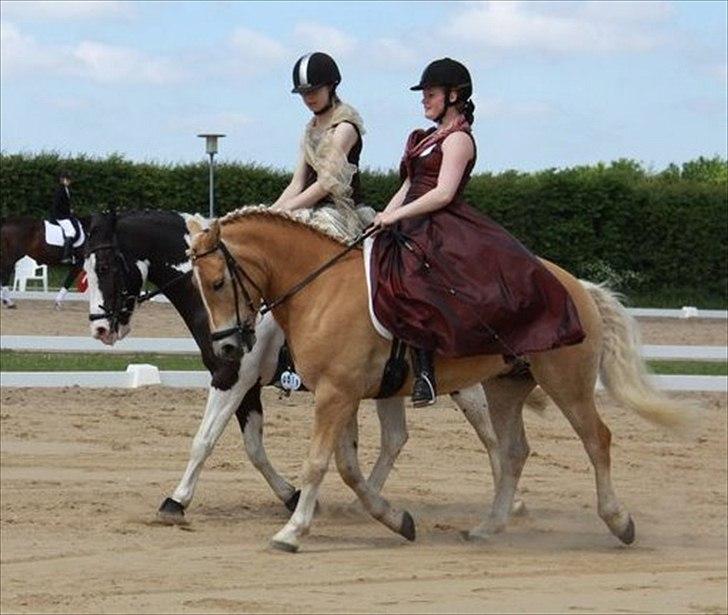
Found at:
(214, 230)
(194, 226)
(112, 217)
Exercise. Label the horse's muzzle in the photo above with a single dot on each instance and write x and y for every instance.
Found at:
(231, 344)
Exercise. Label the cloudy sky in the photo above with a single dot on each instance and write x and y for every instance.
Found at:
(556, 83)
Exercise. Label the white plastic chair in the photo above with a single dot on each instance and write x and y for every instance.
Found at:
(26, 269)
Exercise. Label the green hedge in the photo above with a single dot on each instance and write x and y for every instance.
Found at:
(645, 232)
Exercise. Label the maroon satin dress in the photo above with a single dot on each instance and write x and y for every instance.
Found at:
(455, 282)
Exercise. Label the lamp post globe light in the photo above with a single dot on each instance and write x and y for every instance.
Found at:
(211, 150)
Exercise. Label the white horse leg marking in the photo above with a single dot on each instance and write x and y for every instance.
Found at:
(393, 426)
(221, 405)
(5, 296)
(253, 438)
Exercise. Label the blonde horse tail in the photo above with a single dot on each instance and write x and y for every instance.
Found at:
(622, 370)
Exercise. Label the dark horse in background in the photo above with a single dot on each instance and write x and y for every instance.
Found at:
(25, 235)
(122, 252)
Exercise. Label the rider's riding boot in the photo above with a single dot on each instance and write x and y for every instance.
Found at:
(67, 250)
(424, 392)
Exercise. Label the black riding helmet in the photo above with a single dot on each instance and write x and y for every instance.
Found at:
(314, 70)
(446, 73)
(450, 74)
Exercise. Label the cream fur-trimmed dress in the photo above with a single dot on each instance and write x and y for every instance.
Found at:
(338, 214)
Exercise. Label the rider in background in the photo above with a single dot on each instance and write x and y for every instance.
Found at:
(325, 185)
(61, 210)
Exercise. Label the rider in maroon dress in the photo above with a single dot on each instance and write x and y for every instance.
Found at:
(446, 278)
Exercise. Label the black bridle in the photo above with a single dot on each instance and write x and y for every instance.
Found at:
(245, 330)
(125, 299)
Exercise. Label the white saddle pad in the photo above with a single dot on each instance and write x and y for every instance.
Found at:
(54, 235)
(380, 328)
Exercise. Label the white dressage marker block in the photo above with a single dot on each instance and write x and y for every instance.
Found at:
(142, 374)
(689, 311)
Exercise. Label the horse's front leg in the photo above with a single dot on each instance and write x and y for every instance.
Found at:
(221, 404)
(399, 521)
(333, 412)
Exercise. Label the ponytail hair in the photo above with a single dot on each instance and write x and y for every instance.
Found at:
(467, 108)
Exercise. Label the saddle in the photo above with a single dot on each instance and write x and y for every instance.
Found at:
(56, 231)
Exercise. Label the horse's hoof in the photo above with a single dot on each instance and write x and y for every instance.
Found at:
(10, 306)
(628, 536)
(171, 512)
(283, 546)
(519, 509)
(407, 529)
(293, 500)
(473, 536)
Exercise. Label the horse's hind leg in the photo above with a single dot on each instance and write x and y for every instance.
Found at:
(505, 398)
(576, 400)
(347, 463)
(474, 405)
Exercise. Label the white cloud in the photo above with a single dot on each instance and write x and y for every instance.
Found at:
(318, 37)
(559, 27)
(57, 10)
(111, 64)
(391, 53)
(21, 53)
(92, 60)
(254, 47)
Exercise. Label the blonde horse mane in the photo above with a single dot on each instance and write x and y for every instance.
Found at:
(284, 217)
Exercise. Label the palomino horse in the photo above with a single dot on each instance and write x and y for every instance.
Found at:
(254, 254)
(21, 235)
(126, 249)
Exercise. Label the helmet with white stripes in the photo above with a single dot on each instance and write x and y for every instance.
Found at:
(313, 71)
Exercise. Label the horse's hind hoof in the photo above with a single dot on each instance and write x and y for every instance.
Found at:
(171, 512)
(293, 500)
(407, 529)
(628, 536)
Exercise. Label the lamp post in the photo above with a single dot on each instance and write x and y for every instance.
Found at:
(211, 150)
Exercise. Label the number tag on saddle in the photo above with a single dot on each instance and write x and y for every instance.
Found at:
(290, 381)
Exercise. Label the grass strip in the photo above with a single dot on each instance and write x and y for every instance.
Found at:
(24, 361)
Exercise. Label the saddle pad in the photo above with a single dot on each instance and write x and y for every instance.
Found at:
(378, 326)
(54, 234)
